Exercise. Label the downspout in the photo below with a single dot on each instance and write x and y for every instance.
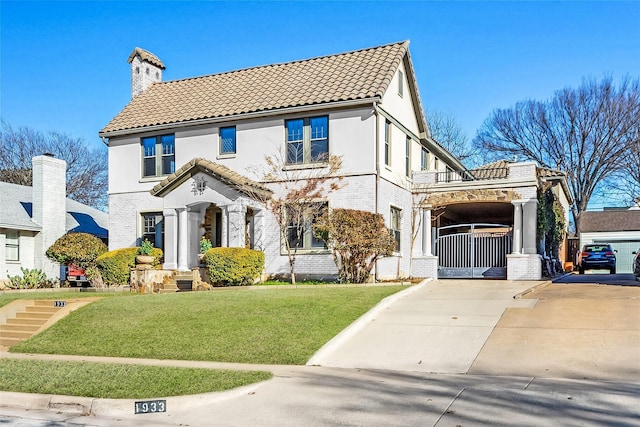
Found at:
(377, 151)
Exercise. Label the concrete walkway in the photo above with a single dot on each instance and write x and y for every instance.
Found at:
(438, 326)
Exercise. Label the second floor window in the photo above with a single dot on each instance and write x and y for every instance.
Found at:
(307, 140)
(424, 159)
(407, 157)
(228, 140)
(387, 142)
(158, 154)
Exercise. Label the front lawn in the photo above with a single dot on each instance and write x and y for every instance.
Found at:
(270, 326)
(117, 381)
(9, 296)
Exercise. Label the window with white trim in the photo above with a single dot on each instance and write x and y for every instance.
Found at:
(424, 159)
(12, 245)
(228, 140)
(407, 157)
(307, 140)
(387, 142)
(158, 155)
(300, 220)
(395, 226)
(153, 228)
(400, 83)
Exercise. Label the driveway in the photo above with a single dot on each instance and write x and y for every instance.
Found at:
(439, 326)
(579, 331)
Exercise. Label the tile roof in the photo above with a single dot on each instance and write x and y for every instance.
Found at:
(16, 211)
(218, 171)
(357, 75)
(500, 169)
(614, 220)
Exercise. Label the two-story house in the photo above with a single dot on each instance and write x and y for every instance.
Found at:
(183, 156)
(179, 151)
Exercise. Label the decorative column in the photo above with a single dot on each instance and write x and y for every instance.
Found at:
(529, 226)
(170, 239)
(426, 232)
(182, 239)
(517, 227)
(194, 232)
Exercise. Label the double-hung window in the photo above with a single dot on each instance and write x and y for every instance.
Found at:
(228, 140)
(300, 220)
(407, 157)
(395, 226)
(153, 228)
(12, 245)
(158, 155)
(424, 159)
(387, 142)
(307, 140)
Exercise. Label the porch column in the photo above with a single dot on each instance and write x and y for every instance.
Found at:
(193, 237)
(235, 225)
(517, 227)
(426, 232)
(529, 226)
(170, 239)
(182, 239)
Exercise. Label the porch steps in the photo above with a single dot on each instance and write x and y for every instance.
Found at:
(181, 282)
(22, 319)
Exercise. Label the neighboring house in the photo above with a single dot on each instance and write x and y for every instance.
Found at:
(183, 155)
(620, 227)
(33, 218)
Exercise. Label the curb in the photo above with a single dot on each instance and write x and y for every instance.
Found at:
(533, 289)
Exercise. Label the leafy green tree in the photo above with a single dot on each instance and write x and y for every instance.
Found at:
(357, 239)
(80, 249)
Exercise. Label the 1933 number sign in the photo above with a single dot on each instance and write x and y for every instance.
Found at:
(59, 303)
(150, 406)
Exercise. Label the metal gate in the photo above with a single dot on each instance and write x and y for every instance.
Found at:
(473, 250)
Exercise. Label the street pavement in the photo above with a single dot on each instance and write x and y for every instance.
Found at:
(444, 353)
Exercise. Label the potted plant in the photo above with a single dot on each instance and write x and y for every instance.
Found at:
(205, 245)
(144, 252)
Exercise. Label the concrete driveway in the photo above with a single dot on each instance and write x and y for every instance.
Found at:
(579, 331)
(439, 327)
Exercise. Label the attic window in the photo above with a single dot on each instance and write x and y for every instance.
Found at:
(400, 83)
(147, 71)
(157, 75)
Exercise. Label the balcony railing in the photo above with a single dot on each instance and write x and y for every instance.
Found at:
(472, 175)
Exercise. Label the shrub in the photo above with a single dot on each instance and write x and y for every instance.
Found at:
(114, 266)
(234, 266)
(357, 239)
(205, 245)
(146, 248)
(31, 279)
(80, 249)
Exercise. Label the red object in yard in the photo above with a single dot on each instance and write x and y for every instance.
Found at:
(74, 271)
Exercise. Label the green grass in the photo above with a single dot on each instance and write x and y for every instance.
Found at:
(270, 326)
(117, 381)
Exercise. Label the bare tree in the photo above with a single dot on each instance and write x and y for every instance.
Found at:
(584, 132)
(86, 168)
(626, 181)
(298, 199)
(447, 132)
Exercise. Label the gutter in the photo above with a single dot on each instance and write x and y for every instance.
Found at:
(241, 116)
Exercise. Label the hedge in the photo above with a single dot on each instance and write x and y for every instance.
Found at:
(233, 266)
(80, 249)
(114, 266)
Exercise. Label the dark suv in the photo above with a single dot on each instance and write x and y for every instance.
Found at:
(596, 256)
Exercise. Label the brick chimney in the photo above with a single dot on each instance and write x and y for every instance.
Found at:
(49, 208)
(146, 68)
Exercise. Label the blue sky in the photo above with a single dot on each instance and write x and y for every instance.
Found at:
(64, 64)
